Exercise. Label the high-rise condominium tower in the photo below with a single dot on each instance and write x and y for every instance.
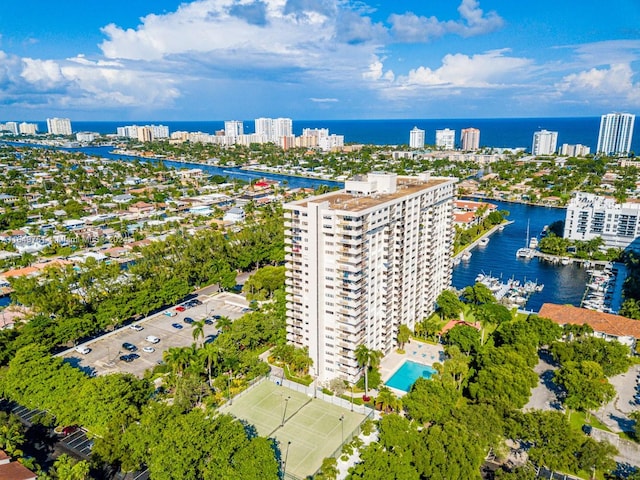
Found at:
(361, 262)
(616, 132)
(416, 138)
(233, 128)
(470, 139)
(446, 138)
(59, 126)
(544, 142)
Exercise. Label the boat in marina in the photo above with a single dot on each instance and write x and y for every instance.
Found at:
(484, 241)
(565, 260)
(533, 243)
(466, 256)
(525, 253)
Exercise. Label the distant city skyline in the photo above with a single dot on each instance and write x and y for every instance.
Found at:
(317, 59)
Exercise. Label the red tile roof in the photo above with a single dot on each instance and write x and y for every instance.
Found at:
(16, 471)
(608, 323)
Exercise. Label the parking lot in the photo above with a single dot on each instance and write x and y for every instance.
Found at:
(105, 352)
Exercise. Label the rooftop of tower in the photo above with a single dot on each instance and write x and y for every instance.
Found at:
(356, 202)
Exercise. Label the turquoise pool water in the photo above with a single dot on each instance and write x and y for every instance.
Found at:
(407, 374)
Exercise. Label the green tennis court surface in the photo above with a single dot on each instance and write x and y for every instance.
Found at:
(314, 428)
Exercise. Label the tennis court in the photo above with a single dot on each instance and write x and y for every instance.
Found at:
(307, 429)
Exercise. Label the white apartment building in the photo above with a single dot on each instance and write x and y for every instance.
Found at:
(616, 133)
(233, 128)
(446, 139)
(544, 142)
(577, 150)
(470, 139)
(28, 128)
(11, 127)
(144, 133)
(362, 261)
(59, 126)
(416, 138)
(589, 216)
(274, 128)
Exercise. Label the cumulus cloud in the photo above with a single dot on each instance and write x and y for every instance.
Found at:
(410, 27)
(490, 69)
(614, 82)
(376, 71)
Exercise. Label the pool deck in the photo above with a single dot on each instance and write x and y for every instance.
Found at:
(419, 352)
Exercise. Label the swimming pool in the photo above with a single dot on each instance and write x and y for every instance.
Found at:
(407, 374)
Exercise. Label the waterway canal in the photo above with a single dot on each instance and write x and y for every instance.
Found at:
(563, 284)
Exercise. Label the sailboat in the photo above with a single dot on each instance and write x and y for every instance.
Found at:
(525, 252)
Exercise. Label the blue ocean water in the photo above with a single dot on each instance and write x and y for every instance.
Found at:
(494, 132)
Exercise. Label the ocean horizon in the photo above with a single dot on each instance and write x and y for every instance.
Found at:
(494, 132)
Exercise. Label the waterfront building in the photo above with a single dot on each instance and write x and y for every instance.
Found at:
(273, 128)
(11, 127)
(86, 136)
(589, 216)
(361, 262)
(446, 139)
(59, 126)
(416, 138)
(233, 128)
(616, 133)
(28, 128)
(544, 142)
(470, 139)
(577, 150)
(146, 133)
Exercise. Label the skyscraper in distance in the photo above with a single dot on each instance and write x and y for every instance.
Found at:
(416, 138)
(616, 133)
(362, 261)
(470, 139)
(446, 139)
(544, 142)
(59, 126)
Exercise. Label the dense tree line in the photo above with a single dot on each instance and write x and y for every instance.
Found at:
(70, 304)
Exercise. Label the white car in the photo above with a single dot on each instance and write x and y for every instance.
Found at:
(152, 339)
(83, 349)
(148, 349)
(137, 328)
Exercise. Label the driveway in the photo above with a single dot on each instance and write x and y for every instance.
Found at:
(545, 396)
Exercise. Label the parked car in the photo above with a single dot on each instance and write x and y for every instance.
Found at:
(129, 346)
(208, 321)
(188, 320)
(83, 349)
(180, 308)
(69, 429)
(152, 339)
(148, 349)
(177, 326)
(136, 327)
(169, 313)
(126, 358)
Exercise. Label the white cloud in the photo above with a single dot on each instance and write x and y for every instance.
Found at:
(43, 73)
(412, 28)
(323, 100)
(490, 69)
(613, 83)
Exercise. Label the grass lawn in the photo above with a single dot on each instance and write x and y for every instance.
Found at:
(578, 419)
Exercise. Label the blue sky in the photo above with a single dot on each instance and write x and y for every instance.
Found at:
(317, 59)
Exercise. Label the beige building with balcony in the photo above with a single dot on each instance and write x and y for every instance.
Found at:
(362, 261)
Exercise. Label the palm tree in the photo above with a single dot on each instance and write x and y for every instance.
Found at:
(212, 354)
(224, 324)
(197, 331)
(367, 358)
(387, 401)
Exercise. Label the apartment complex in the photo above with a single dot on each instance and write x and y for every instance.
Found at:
(362, 261)
(544, 143)
(272, 129)
(446, 139)
(233, 128)
(416, 138)
(59, 126)
(616, 132)
(589, 216)
(577, 150)
(470, 139)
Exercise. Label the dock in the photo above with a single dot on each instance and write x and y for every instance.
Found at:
(476, 242)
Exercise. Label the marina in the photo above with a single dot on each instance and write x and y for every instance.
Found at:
(512, 293)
